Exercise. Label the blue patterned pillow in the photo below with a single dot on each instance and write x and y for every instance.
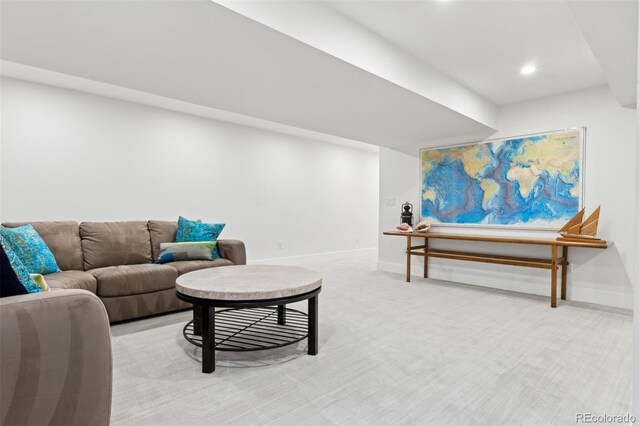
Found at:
(31, 249)
(189, 230)
(21, 272)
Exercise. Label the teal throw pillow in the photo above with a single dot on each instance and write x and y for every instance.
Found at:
(197, 250)
(190, 230)
(33, 252)
(21, 272)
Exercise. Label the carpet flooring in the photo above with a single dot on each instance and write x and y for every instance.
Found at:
(429, 352)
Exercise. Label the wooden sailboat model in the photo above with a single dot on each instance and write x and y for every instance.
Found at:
(577, 230)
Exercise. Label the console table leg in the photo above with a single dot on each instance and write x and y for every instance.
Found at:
(208, 339)
(313, 326)
(282, 319)
(197, 320)
(408, 258)
(554, 276)
(426, 258)
(565, 261)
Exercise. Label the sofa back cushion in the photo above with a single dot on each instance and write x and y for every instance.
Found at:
(161, 231)
(62, 238)
(115, 243)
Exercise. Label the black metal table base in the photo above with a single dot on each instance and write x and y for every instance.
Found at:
(250, 325)
(253, 329)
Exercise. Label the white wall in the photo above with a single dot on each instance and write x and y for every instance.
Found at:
(595, 276)
(68, 155)
(636, 279)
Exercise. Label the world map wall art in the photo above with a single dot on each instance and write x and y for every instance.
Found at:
(532, 181)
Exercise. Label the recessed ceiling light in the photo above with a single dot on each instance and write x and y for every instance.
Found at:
(528, 69)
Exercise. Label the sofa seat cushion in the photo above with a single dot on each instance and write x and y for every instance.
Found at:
(124, 280)
(185, 266)
(71, 279)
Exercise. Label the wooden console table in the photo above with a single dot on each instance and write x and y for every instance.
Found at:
(554, 263)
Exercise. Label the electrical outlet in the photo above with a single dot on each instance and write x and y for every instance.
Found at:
(280, 245)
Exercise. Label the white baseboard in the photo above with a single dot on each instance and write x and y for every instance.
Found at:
(324, 255)
(575, 293)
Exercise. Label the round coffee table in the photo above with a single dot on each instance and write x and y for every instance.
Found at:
(256, 316)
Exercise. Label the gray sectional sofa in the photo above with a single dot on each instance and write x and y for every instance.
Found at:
(115, 261)
(55, 347)
(55, 359)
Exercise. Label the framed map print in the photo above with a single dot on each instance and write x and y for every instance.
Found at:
(531, 181)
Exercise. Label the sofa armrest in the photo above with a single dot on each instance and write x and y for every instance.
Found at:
(233, 250)
(55, 359)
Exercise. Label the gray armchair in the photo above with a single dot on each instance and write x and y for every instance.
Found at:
(55, 359)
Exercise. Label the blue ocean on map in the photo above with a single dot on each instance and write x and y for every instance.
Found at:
(512, 182)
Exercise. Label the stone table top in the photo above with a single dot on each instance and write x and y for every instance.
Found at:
(248, 282)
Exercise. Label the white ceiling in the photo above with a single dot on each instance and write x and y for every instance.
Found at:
(483, 43)
(202, 53)
(322, 27)
(611, 29)
(389, 73)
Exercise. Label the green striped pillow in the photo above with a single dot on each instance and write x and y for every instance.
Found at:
(192, 250)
